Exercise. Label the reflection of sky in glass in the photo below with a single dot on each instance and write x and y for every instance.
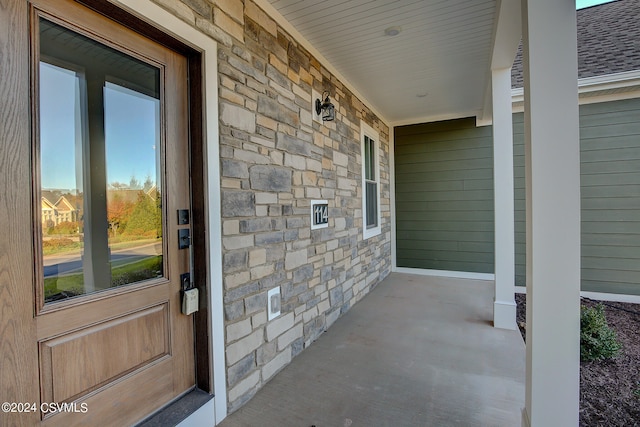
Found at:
(131, 131)
(58, 127)
(132, 135)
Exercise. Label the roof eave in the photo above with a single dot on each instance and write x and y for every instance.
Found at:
(608, 87)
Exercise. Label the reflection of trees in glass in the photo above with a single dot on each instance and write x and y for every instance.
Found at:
(61, 244)
(145, 220)
(67, 227)
(134, 210)
(118, 212)
(148, 184)
(134, 184)
(116, 185)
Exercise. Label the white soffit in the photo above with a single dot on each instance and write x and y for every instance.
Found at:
(443, 50)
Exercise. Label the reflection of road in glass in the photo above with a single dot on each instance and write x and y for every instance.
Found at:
(62, 264)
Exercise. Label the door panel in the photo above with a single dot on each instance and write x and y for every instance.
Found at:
(58, 322)
(110, 172)
(81, 361)
(121, 404)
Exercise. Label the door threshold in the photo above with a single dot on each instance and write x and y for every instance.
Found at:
(178, 410)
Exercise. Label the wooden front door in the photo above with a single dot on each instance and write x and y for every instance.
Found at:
(111, 193)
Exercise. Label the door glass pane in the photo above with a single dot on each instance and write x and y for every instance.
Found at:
(61, 178)
(100, 145)
(134, 214)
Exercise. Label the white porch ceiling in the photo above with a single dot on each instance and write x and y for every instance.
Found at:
(443, 50)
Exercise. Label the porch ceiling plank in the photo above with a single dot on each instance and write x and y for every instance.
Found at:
(302, 9)
(380, 52)
(444, 50)
(414, 64)
(362, 25)
(365, 32)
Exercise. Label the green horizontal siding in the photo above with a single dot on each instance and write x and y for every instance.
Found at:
(610, 193)
(610, 196)
(444, 196)
(519, 196)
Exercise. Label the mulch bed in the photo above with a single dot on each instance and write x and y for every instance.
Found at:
(610, 389)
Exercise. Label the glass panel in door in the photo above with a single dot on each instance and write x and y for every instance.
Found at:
(100, 146)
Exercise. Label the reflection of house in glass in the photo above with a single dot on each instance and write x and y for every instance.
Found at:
(56, 213)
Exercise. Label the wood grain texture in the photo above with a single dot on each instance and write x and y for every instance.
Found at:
(121, 404)
(18, 367)
(94, 350)
(127, 351)
(81, 361)
(57, 322)
(204, 373)
(177, 196)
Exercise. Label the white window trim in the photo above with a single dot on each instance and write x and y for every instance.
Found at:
(366, 130)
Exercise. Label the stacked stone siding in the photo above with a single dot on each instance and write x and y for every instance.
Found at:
(275, 159)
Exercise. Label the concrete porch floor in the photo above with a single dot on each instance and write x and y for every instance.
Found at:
(417, 351)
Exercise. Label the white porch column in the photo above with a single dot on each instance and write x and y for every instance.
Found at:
(552, 153)
(504, 305)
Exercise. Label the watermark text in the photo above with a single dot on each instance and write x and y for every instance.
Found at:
(44, 407)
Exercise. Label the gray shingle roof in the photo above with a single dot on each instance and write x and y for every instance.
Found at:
(608, 40)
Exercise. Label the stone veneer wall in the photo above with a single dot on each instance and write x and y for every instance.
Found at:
(274, 160)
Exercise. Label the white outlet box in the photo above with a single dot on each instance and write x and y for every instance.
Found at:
(273, 303)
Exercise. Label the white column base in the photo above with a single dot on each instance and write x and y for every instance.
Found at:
(504, 315)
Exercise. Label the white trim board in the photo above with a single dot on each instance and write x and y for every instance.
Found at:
(437, 118)
(372, 134)
(601, 296)
(201, 417)
(598, 296)
(170, 24)
(446, 273)
(591, 90)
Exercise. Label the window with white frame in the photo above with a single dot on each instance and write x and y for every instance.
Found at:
(370, 182)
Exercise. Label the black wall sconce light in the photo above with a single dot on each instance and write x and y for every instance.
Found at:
(326, 108)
